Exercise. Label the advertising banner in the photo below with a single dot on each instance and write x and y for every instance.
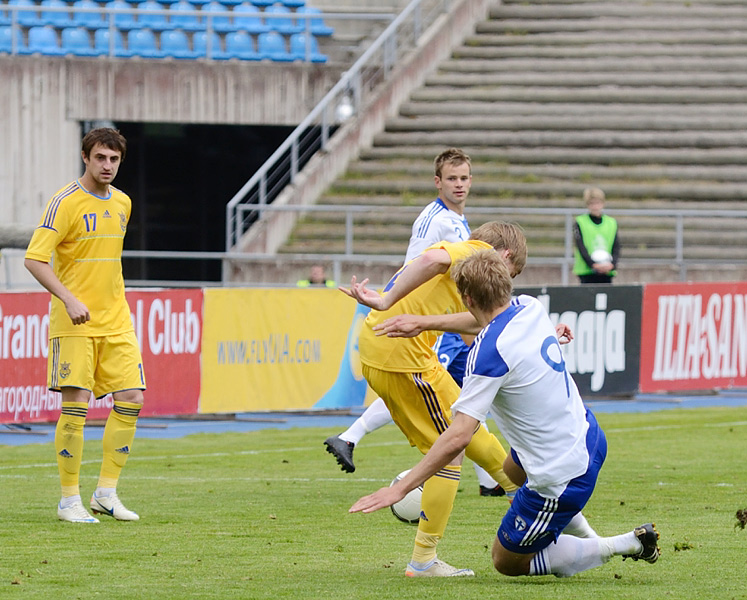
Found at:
(694, 336)
(168, 324)
(279, 349)
(606, 324)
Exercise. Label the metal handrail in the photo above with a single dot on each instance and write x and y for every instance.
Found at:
(348, 92)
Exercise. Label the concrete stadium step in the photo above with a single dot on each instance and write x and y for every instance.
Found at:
(595, 10)
(620, 50)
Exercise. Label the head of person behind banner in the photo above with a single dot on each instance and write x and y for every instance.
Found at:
(596, 241)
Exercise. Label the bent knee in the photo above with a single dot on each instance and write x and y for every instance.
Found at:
(509, 563)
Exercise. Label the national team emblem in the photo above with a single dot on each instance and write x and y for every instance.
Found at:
(520, 524)
(64, 370)
(123, 221)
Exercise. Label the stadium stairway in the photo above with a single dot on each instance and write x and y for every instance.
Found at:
(645, 99)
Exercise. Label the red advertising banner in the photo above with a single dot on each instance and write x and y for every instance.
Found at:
(693, 336)
(168, 324)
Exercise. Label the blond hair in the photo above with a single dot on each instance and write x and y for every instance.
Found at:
(505, 236)
(485, 278)
(452, 156)
(593, 193)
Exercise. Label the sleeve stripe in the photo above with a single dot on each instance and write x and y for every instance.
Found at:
(51, 213)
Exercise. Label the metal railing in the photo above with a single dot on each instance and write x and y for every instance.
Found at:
(344, 100)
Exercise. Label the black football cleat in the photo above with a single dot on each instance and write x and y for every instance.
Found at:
(342, 451)
(492, 491)
(649, 537)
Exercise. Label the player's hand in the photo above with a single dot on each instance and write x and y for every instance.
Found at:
(400, 326)
(363, 295)
(603, 268)
(382, 498)
(77, 311)
(564, 333)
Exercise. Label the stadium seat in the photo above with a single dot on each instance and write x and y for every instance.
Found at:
(55, 18)
(154, 21)
(91, 20)
(230, 3)
(220, 23)
(27, 18)
(200, 44)
(175, 43)
(142, 42)
(101, 43)
(247, 17)
(75, 40)
(200, 2)
(6, 39)
(271, 46)
(239, 44)
(284, 23)
(317, 25)
(42, 40)
(263, 3)
(124, 20)
(293, 3)
(186, 22)
(300, 51)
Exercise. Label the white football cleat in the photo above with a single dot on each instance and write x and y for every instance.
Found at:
(112, 506)
(75, 513)
(437, 568)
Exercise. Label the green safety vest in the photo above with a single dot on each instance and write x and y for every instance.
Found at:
(595, 237)
(306, 283)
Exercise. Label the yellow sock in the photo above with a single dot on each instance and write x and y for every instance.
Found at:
(436, 504)
(118, 435)
(487, 451)
(68, 444)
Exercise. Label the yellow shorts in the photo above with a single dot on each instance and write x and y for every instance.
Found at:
(420, 403)
(103, 365)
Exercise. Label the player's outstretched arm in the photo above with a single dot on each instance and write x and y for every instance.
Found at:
(411, 276)
(450, 444)
(413, 325)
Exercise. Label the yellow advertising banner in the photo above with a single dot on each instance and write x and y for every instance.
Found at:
(280, 349)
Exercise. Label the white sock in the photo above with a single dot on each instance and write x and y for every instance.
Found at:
(68, 501)
(579, 527)
(484, 477)
(102, 491)
(375, 416)
(627, 543)
(568, 556)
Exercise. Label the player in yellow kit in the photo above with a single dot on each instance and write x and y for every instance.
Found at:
(417, 389)
(76, 254)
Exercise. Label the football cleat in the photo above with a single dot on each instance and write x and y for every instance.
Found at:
(492, 491)
(112, 506)
(75, 513)
(342, 451)
(437, 568)
(648, 536)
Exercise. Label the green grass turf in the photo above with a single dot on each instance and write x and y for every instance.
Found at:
(264, 515)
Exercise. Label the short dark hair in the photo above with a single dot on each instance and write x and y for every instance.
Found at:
(107, 137)
(452, 156)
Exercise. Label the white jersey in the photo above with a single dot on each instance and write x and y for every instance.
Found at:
(436, 223)
(516, 368)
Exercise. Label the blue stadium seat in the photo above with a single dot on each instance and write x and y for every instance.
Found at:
(293, 3)
(156, 22)
(176, 44)
(220, 23)
(206, 46)
(91, 20)
(200, 2)
(75, 40)
(271, 45)
(142, 42)
(239, 44)
(285, 23)
(247, 17)
(4, 16)
(317, 24)
(42, 40)
(230, 3)
(263, 3)
(27, 18)
(55, 18)
(186, 22)
(306, 48)
(101, 42)
(124, 20)
(6, 39)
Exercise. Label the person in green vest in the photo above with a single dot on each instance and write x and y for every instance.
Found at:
(316, 278)
(597, 246)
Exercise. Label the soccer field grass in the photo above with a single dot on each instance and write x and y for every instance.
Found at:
(264, 515)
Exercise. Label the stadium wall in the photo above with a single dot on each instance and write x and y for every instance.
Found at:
(239, 350)
(45, 100)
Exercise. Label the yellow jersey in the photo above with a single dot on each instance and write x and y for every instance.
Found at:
(82, 235)
(438, 296)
